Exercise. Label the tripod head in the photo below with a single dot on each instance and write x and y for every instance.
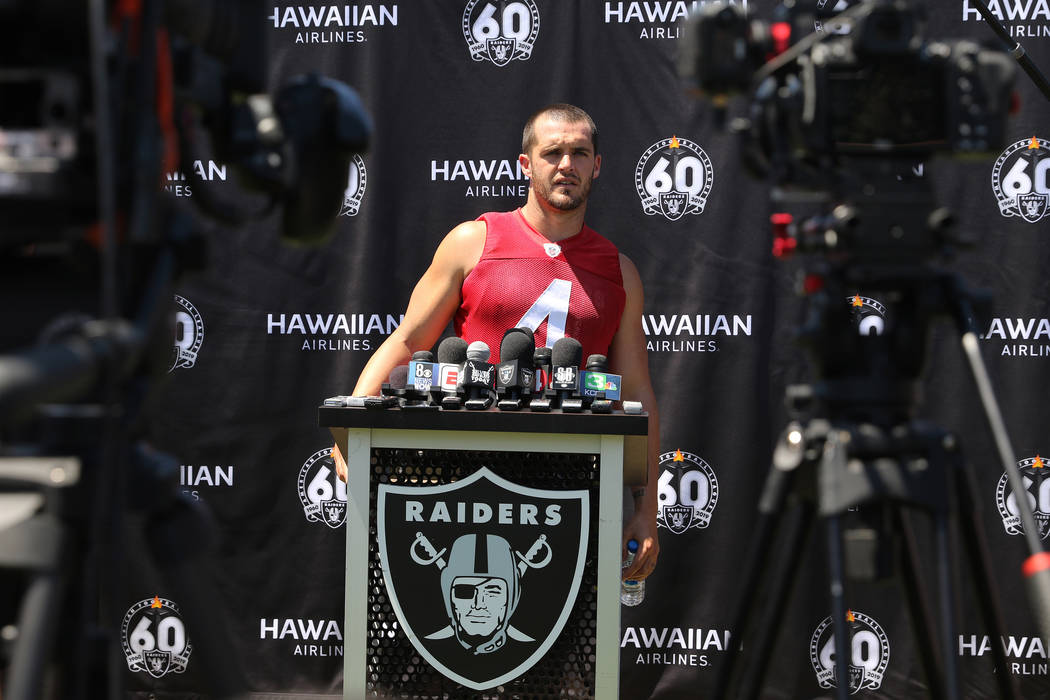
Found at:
(874, 288)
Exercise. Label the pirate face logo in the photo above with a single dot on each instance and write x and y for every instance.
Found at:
(472, 569)
(1032, 206)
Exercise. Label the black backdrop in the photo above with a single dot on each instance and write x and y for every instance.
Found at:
(281, 328)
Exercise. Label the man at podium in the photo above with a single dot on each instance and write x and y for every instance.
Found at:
(540, 266)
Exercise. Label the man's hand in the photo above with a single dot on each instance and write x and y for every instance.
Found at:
(340, 462)
(641, 529)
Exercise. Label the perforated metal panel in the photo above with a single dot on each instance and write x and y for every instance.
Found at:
(394, 668)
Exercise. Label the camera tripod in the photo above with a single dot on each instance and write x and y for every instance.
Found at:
(860, 449)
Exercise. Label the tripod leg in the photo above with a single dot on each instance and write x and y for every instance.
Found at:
(977, 555)
(37, 625)
(919, 607)
(837, 582)
(947, 596)
(774, 493)
(780, 587)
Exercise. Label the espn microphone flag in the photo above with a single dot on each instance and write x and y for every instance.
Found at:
(451, 356)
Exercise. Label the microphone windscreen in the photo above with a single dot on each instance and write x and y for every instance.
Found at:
(542, 356)
(567, 352)
(478, 351)
(452, 350)
(422, 356)
(517, 345)
(597, 363)
(398, 378)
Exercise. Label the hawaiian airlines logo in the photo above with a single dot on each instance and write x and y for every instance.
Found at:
(692, 332)
(189, 334)
(1021, 337)
(332, 24)
(869, 649)
(1020, 182)
(482, 573)
(193, 478)
(1022, 18)
(333, 332)
(180, 186)
(688, 492)
(355, 187)
(674, 178)
(655, 19)
(1026, 654)
(869, 315)
(154, 638)
(482, 177)
(674, 646)
(1036, 479)
(307, 636)
(501, 33)
(321, 491)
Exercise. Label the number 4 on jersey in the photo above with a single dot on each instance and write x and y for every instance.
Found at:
(553, 305)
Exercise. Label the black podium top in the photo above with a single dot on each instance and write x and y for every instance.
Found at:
(493, 420)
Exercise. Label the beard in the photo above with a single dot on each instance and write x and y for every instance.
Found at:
(561, 200)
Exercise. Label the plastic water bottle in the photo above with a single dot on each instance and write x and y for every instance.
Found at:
(631, 592)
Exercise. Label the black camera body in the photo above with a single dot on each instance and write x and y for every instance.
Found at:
(877, 87)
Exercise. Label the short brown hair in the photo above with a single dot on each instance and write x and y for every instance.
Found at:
(559, 112)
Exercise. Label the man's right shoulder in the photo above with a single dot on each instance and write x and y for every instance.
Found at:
(464, 245)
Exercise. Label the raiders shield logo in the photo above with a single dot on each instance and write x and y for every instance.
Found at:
(482, 573)
(157, 662)
(1032, 206)
(857, 676)
(672, 204)
(334, 513)
(678, 518)
(500, 50)
(506, 374)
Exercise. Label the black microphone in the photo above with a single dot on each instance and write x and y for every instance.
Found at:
(565, 375)
(514, 376)
(541, 363)
(451, 355)
(479, 377)
(396, 381)
(420, 380)
(596, 401)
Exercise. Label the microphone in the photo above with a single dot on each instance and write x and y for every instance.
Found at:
(565, 374)
(395, 384)
(479, 377)
(541, 362)
(451, 355)
(514, 376)
(420, 380)
(600, 388)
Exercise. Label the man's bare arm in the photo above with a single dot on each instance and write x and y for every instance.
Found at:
(433, 302)
(628, 357)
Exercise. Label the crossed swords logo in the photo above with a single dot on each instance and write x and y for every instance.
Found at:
(424, 553)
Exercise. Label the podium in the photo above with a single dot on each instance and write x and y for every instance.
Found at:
(483, 550)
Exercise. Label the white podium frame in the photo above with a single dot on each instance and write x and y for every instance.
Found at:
(609, 448)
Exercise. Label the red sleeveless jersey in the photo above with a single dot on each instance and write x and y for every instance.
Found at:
(573, 287)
